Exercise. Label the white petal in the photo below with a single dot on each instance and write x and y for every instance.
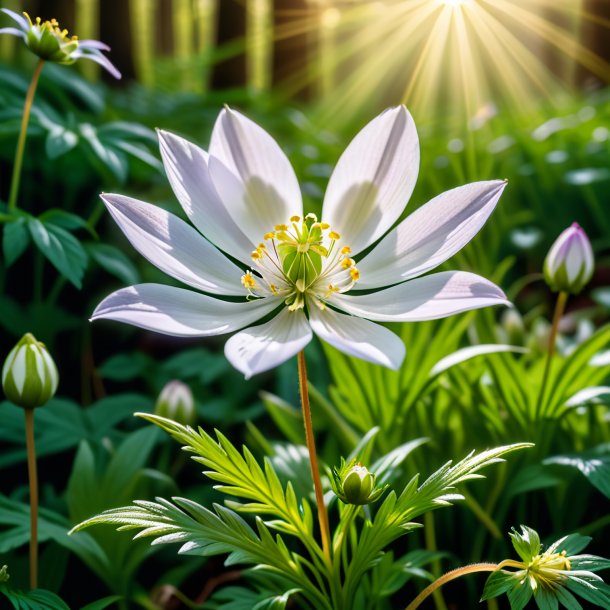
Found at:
(19, 368)
(13, 32)
(174, 246)
(252, 175)
(358, 337)
(179, 312)
(374, 179)
(431, 235)
(427, 298)
(186, 166)
(22, 21)
(264, 347)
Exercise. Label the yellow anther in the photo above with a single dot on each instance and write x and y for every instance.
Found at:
(295, 218)
(248, 280)
(273, 289)
(334, 235)
(281, 227)
(346, 263)
(261, 247)
(256, 255)
(282, 236)
(346, 250)
(355, 274)
(324, 226)
(270, 235)
(331, 289)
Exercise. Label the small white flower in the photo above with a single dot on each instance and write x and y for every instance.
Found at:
(48, 41)
(244, 198)
(569, 265)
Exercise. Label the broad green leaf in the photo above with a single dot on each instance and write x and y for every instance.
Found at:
(59, 141)
(15, 240)
(594, 465)
(114, 261)
(37, 599)
(62, 249)
(124, 367)
(65, 220)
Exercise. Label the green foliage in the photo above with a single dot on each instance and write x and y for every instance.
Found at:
(222, 531)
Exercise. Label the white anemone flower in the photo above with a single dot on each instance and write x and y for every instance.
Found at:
(304, 274)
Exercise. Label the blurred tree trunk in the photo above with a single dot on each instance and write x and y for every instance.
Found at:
(595, 35)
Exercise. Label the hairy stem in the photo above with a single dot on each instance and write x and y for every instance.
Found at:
(439, 582)
(560, 306)
(33, 477)
(25, 119)
(313, 456)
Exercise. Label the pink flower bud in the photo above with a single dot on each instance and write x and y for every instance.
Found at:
(569, 265)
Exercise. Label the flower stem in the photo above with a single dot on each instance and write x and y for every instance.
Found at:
(25, 119)
(560, 306)
(33, 477)
(313, 457)
(439, 582)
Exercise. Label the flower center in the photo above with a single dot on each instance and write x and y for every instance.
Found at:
(52, 27)
(546, 569)
(301, 260)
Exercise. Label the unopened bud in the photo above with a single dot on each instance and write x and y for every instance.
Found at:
(176, 402)
(29, 375)
(569, 265)
(355, 484)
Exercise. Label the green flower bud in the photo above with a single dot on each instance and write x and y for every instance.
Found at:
(354, 484)
(29, 375)
(358, 484)
(4, 576)
(176, 402)
(569, 265)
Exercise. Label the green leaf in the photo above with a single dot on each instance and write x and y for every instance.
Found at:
(114, 261)
(100, 604)
(105, 157)
(594, 465)
(467, 353)
(519, 596)
(62, 249)
(124, 367)
(498, 582)
(15, 240)
(545, 599)
(526, 543)
(65, 220)
(59, 141)
(37, 599)
(288, 419)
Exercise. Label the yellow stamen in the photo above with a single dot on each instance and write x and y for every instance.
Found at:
(273, 289)
(331, 289)
(256, 255)
(295, 218)
(270, 235)
(281, 227)
(346, 263)
(334, 235)
(324, 226)
(248, 280)
(346, 250)
(261, 247)
(355, 274)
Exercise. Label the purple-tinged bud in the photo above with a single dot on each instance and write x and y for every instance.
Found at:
(569, 265)
(176, 402)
